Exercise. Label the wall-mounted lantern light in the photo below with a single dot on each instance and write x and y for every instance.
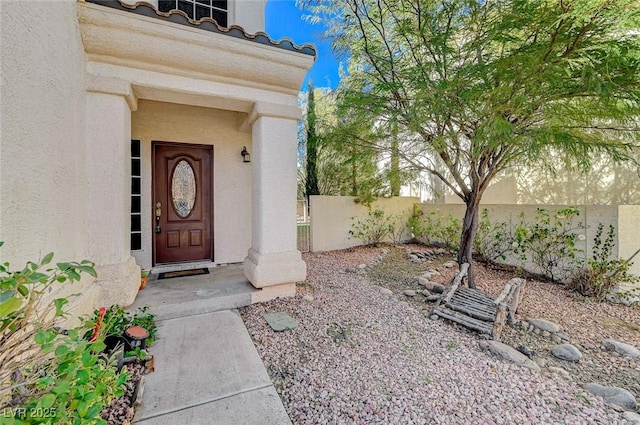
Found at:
(246, 156)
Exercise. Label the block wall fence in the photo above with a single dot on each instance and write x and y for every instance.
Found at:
(331, 219)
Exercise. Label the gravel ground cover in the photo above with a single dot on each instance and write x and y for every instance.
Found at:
(359, 356)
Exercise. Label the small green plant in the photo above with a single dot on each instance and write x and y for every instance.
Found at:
(305, 284)
(116, 320)
(372, 229)
(49, 377)
(399, 228)
(451, 346)
(602, 273)
(582, 397)
(137, 352)
(338, 332)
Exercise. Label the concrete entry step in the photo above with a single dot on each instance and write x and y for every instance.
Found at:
(207, 371)
(222, 289)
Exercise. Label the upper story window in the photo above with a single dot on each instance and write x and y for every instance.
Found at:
(198, 9)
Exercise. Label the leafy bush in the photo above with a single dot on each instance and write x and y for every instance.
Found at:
(399, 227)
(432, 228)
(373, 229)
(550, 243)
(493, 241)
(48, 377)
(602, 273)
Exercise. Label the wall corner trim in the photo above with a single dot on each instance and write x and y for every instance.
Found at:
(266, 109)
(114, 86)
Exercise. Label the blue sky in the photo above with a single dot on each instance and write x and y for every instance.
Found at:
(284, 19)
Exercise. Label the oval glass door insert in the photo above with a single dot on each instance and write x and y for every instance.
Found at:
(183, 188)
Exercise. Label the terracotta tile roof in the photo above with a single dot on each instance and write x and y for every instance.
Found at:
(206, 24)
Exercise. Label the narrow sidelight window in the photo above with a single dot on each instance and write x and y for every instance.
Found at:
(136, 196)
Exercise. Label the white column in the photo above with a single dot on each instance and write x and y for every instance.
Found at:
(273, 258)
(108, 125)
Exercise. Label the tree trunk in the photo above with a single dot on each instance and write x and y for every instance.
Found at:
(469, 228)
(394, 172)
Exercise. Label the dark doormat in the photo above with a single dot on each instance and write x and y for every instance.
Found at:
(183, 273)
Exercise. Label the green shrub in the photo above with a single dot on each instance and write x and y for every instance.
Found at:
(432, 228)
(551, 243)
(48, 377)
(493, 241)
(602, 273)
(399, 228)
(372, 229)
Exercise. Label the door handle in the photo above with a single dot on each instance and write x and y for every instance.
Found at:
(158, 215)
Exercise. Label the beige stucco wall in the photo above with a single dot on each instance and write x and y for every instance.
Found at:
(157, 121)
(625, 218)
(41, 140)
(249, 14)
(43, 190)
(503, 191)
(331, 218)
(629, 234)
(331, 222)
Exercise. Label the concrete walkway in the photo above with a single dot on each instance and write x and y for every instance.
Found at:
(207, 371)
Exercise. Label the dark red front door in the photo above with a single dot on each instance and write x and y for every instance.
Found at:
(182, 202)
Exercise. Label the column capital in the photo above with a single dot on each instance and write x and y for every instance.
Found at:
(113, 86)
(274, 110)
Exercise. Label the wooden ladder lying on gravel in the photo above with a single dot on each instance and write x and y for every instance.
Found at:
(476, 310)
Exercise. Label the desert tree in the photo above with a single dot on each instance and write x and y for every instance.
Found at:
(478, 86)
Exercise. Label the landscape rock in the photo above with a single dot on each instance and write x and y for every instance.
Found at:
(632, 417)
(509, 354)
(621, 348)
(433, 298)
(409, 292)
(527, 352)
(280, 321)
(614, 395)
(308, 297)
(385, 291)
(423, 281)
(431, 286)
(437, 288)
(362, 266)
(567, 352)
(544, 325)
(450, 264)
